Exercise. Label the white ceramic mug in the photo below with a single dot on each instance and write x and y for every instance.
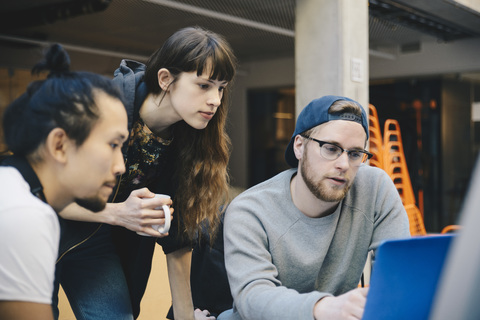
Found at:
(168, 217)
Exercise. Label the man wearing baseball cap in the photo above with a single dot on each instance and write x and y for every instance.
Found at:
(296, 244)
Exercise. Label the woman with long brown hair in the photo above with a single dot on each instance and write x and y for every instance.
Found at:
(178, 145)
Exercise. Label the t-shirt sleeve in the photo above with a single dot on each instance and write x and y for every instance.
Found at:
(29, 238)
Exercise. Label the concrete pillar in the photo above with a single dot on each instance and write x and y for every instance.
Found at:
(331, 50)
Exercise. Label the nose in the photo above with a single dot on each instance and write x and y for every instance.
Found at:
(215, 97)
(118, 163)
(342, 162)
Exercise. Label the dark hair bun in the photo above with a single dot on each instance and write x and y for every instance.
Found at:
(56, 61)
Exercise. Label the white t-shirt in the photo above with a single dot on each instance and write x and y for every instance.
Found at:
(29, 238)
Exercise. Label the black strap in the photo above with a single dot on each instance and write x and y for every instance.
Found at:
(22, 165)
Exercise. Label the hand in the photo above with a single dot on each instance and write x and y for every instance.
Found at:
(202, 315)
(349, 305)
(138, 212)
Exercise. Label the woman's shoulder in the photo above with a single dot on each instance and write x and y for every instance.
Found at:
(129, 75)
(127, 65)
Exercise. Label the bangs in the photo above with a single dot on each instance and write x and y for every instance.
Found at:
(192, 50)
(219, 62)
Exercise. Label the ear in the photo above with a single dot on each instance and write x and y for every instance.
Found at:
(165, 78)
(299, 146)
(57, 145)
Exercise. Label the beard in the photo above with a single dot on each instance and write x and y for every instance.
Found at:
(319, 188)
(94, 204)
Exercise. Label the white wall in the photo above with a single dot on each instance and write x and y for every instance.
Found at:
(433, 58)
(326, 55)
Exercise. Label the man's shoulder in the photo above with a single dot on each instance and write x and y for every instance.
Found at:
(15, 193)
(260, 199)
(11, 182)
(275, 184)
(368, 173)
(31, 228)
(365, 168)
(370, 182)
(20, 210)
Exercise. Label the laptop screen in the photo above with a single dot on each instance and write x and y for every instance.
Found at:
(405, 276)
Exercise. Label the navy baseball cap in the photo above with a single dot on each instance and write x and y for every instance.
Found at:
(316, 113)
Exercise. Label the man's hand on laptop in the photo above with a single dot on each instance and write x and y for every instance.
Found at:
(349, 305)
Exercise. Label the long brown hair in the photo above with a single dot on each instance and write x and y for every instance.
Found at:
(201, 155)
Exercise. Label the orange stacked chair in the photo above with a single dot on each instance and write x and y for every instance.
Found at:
(417, 226)
(395, 163)
(376, 140)
(396, 166)
(389, 156)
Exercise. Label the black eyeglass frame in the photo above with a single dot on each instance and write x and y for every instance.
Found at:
(367, 155)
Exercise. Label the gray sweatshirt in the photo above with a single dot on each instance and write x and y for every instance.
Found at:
(281, 262)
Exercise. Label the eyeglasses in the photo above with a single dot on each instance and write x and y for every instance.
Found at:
(332, 151)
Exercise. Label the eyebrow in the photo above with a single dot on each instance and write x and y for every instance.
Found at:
(224, 82)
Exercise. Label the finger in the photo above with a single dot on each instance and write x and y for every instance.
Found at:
(152, 233)
(154, 216)
(143, 193)
(155, 203)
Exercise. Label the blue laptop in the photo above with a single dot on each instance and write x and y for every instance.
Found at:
(405, 276)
